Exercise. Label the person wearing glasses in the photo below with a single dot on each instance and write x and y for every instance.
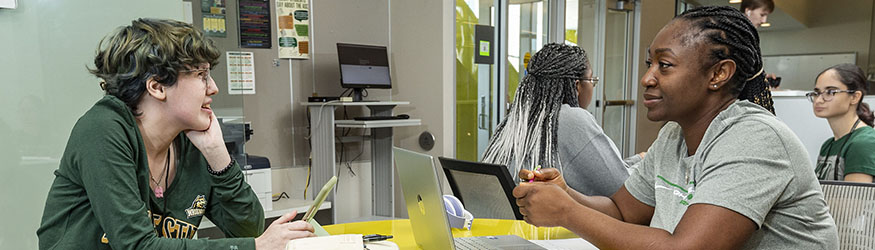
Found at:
(838, 96)
(548, 124)
(724, 172)
(147, 162)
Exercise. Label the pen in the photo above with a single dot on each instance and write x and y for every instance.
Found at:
(533, 174)
(375, 237)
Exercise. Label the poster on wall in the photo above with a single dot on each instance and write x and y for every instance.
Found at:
(254, 24)
(213, 17)
(293, 26)
(241, 72)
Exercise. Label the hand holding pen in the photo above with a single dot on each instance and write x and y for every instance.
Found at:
(536, 170)
(549, 175)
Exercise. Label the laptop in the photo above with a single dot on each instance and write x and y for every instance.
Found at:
(425, 207)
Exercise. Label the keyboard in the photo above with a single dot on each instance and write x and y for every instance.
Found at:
(377, 118)
(466, 243)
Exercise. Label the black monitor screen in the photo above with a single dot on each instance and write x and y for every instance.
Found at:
(363, 66)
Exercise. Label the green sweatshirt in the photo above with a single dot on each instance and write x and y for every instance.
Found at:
(101, 199)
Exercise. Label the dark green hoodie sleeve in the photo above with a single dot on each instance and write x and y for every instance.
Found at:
(234, 208)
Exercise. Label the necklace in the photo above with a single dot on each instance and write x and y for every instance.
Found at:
(159, 190)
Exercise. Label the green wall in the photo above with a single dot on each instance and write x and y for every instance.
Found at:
(466, 84)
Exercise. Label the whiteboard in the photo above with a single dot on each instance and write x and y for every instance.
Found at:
(798, 72)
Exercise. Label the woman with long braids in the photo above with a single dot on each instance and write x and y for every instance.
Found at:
(723, 173)
(838, 96)
(548, 125)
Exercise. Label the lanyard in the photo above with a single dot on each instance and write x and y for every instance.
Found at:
(842, 148)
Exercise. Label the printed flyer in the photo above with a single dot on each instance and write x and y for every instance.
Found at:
(293, 24)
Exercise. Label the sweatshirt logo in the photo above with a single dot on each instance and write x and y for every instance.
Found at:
(677, 190)
(198, 206)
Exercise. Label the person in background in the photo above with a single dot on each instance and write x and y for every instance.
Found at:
(757, 11)
(548, 125)
(838, 96)
(147, 162)
(724, 172)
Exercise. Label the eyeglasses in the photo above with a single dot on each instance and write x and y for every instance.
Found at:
(204, 74)
(594, 80)
(827, 95)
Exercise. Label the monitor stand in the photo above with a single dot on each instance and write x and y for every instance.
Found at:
(357, 94)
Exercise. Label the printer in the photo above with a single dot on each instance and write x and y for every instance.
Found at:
(256, 169)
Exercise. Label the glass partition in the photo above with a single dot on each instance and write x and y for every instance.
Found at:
(46, 47)
(618, 83)
(526, 34)
(474, 81)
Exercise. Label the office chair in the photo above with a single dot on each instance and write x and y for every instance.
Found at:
(852, 205)
(485, 189)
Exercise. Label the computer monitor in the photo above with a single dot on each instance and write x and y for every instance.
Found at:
(363, 66)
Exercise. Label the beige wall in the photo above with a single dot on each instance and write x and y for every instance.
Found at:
(799, 9)
(833, 26)
(422, 36)
(278, 118)
(654, 15)
(334, 21)
(419, 35)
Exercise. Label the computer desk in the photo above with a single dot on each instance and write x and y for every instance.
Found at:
(403, 234)
(322, 139)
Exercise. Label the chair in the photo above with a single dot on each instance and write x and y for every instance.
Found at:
(485, 189)
(852, 205)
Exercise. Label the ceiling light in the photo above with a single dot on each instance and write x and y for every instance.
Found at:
(734, 1)
(764, 25)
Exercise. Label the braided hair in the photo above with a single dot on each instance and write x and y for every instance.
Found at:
(734, 37)
(527, 135)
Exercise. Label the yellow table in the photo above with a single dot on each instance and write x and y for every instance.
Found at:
(403, 234)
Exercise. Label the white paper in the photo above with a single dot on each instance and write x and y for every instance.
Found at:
(382, 245)
(241, 72)
(10, 4)
(335, 242)
(566, 244)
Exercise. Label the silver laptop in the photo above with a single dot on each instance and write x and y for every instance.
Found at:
(425, 207)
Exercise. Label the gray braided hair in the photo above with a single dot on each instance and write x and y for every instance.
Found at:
(527, 135)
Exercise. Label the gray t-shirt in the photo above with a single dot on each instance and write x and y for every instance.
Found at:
(748, 162)
(591, 163)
